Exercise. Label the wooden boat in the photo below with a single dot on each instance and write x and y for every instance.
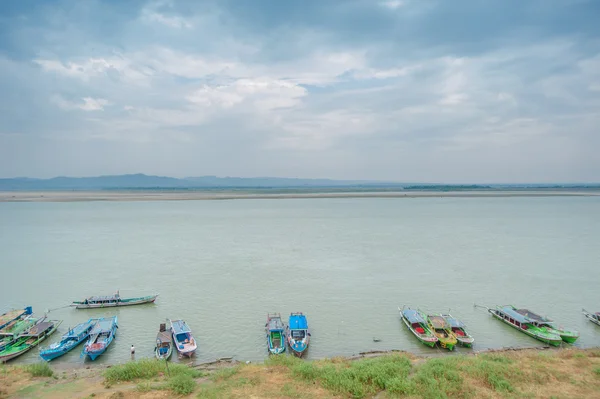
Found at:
(593, 317)
(184, 340)
(441, 329)
(112, 301)
(13, 315)
(275, 334)
(164, 344)
(11, 331)
(509, 315)
(298, 337)
(102, 335)
(416, 324)
(459, 330)
(544, 322)
(29, 339)
(69, 341)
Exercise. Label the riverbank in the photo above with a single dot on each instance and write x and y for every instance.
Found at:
(171, 195)
(562, 373)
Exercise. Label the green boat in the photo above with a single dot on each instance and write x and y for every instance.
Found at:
(9, 333)
(416, 324)
(29, 339)
(441, 329)
(566, 335)
(541, 332)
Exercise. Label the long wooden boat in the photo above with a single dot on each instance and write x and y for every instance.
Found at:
(509, 315)
(112, 301)
(543, 322)
(164, 343)
(441, 329)
(69, 341)
(416, 324)
(101, 336)
(460, 330)
(13, 315)
(298, 336)
(275, 334)
(29, 339)
(593, 317)
(11, 331)
(185, 343)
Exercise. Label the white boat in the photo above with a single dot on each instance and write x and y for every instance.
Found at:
(185, 343)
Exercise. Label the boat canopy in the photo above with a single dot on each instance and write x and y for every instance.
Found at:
(163, 337)
(413, 316)
(103, 325)
(298, 322)
(455, 323)
(512, 313)
(38, 329)
(275, 323)
(179, 326)
(108, 298)
(533, 316)
(437, 321)
(78, 329)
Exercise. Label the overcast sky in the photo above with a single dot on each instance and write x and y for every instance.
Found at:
(405, 90)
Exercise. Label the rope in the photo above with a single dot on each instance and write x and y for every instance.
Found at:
(62, 307)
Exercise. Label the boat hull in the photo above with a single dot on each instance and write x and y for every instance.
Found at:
(7, 357)
(593, 320)
(466, 342)
(141, 301)
(430, 343)
(546, 340)
(570, 339)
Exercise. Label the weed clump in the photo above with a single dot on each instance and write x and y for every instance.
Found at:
(39, 370)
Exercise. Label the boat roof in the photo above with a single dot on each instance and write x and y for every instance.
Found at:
(511, 312)
(275, 323)
(180, 326)
(437, 321)
(412, 316)
(163, 336)
(79, 328)
(114, 297)
(455, 322)
(298, 322)
(13, 314)
(531, 315)
(103, 325)
(38, 329)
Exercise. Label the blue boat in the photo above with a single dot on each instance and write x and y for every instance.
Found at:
(13, 315)
(101, 336)
(184, 340)
(69, 341)
(275, 334)
(298, 336)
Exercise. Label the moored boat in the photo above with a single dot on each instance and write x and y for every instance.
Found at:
(509, 315)
(12, 330)
(416, 324)
(29, 339)
(543, 322)
(298, 337)
(459, 330)
(101, 336)
(185, 343)
(593, 317)
(112, 301)
(275, 334)
(13, 315)
(441, 329)
(69, 341)
(164, 344)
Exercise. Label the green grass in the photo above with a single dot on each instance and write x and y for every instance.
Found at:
(225, 373)
(146, 369)
(41, 369)
(496, 370)
(597, 371)
(182, 384)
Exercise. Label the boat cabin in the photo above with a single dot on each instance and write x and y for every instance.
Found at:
(457, 327)
(37, 331)
(181, 331)
(509, 314)
(163, 341)
(415, 320)
(102, 300)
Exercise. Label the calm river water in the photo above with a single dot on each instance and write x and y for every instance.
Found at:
(346, 263)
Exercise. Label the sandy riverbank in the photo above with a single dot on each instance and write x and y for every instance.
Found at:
(156, 195)
(531, 373)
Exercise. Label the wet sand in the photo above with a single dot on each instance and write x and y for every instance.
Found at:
(155, 195)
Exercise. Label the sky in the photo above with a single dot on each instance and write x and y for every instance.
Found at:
(469, 91)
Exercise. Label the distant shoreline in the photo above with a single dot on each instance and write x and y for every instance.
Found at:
(176, 195)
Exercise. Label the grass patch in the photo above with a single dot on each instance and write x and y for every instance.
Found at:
(182, 384)
(41, 369)
(212, 391)
(146, 369)
(437, 378)
(495, 370)
(225, 373)
(596, 371)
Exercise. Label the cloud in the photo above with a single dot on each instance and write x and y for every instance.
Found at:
(88, 104)
(396, 90)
